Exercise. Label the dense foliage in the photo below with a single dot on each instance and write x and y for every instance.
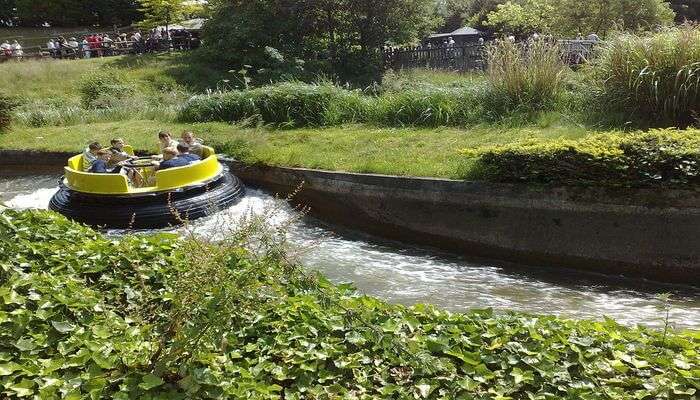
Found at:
(69, 12)
(86, 316)
(288, 104)
(664, 158)
(339, 37)
(569, 18)
(166, 12)
(653, 78)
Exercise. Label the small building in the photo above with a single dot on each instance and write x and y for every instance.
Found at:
(462, 37)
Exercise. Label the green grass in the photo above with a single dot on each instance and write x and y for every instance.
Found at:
(355, 148)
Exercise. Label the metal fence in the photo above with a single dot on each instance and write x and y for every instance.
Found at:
(459, 58)
(472, 57)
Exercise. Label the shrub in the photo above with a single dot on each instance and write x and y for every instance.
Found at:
(289, 104)
(655, 158)
(102, 88)
(655, 77)
(523, 77)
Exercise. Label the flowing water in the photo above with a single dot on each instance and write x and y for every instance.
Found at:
(408, 274)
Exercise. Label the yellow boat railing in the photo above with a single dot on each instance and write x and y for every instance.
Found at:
(167, 179)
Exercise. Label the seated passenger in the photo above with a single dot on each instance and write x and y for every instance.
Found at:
(90, 155)
(172, 160)
(118, 153)
(194, 143)
(100, 165)
(184, 151)
(166, 141)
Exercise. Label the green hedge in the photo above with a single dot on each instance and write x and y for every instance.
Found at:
(290, 103)
(654, 158)
(84, 316)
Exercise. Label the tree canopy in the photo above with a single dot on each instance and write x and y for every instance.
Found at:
(572, 17)
(68, 12)
(337, 37)
(165, 12)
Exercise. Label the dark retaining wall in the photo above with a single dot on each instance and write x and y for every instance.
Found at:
(646, 233)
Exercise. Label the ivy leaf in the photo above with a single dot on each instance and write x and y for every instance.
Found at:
(9, 368)
(150, 381)
(25, 344)
(63, 327)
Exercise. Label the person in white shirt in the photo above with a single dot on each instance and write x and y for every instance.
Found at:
(17, 49)
(6, 48)
(73, 43)
(85, 47)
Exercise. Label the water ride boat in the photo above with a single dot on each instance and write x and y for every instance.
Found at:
(168, 197)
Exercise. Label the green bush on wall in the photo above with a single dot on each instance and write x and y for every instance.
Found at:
(655, 158)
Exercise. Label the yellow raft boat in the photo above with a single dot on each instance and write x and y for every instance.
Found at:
(169, 197)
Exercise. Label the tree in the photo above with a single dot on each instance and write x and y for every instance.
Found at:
(686, 10)
(338, 37)
(8, 13)
(572, 17)
(165, 12)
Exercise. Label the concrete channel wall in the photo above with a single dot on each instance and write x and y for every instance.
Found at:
(639, 233)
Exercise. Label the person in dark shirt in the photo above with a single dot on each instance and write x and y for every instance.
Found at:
(184, 151)
(172, 160)
(100, 165)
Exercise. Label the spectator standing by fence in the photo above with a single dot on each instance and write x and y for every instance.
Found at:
(6, 49)
(17, 50)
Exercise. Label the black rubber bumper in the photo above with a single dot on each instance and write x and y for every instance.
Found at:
(152, 210)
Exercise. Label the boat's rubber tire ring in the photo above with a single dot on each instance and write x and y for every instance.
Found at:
(148, 212)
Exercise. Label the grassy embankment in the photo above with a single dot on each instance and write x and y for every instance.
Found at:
(85, 316)
(53, 117)
(509, 124)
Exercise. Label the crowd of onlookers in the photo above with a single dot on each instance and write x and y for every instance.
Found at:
(104, 45)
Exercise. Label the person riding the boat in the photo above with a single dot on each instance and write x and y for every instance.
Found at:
(100, 165)
(194, 143)
(172, 159)
(90, 155)
(166, 141)
(118, 153)
(185, 152)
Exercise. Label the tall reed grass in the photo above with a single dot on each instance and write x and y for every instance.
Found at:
(654, 77)
(523, 76)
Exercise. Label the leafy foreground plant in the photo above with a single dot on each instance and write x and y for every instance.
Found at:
(142, 317)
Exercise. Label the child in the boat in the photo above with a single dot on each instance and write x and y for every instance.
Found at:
(194, 143)
(118, 153)
(90, 155)
(101, 164)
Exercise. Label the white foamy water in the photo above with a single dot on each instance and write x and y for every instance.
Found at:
(408, 274)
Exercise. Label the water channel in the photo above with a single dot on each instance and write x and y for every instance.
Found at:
(408, 274)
